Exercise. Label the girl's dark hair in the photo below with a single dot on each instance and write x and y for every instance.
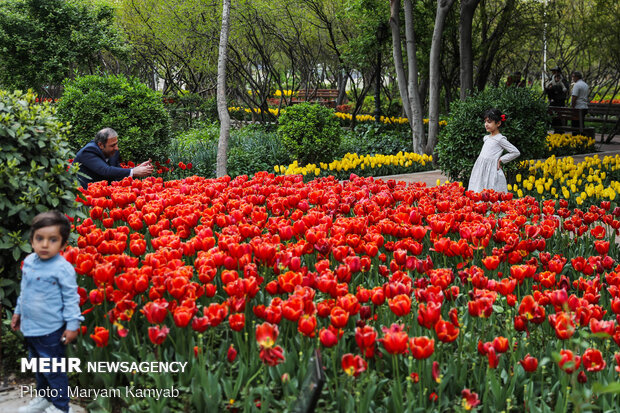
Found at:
(50, 219)
(493, 114)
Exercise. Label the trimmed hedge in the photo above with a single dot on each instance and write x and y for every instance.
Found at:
(460, 141)
(310, 132)
(137, 113)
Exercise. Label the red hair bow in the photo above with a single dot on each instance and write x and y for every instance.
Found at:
(503, 118)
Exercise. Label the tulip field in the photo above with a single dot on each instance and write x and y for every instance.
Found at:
(418, 299)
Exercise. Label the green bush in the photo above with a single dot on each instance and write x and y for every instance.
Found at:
(461, 140)
(137, 113)
(255, 148)
(374, 139)
(251, 149)
(310, 132)
(34, 176)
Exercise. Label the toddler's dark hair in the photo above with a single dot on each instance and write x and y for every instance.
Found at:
(493, 114)
(50, 219)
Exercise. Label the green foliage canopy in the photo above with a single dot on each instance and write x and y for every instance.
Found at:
(43, 41)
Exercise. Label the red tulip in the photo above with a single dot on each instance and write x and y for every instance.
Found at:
(435, 372)
(155, 311)
(339, 317)
(272, 356)
(353, 365)
(307, 325)
(101, 336)
(563, 324)
(470, 399)
(529, 363)
(231, 354)
(236, 321)
(429, 314)
(421, 347)
(446, 331)
(593, 360)
(568, 361)
(157, 334)
(266, 335)
(182, 316)
(400, 305)
(328, 337)
(394, 339)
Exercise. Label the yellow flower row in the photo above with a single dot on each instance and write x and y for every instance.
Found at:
(556, 140)
(341, 115)
(286, 93)
(384, 119)
(555, 178)
(352, 161)
(274, 112)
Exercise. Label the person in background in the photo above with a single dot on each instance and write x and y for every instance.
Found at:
(556, 91)
(48, 308)
(100, 160)
(579, 98)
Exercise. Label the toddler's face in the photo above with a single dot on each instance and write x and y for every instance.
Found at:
(47, 242)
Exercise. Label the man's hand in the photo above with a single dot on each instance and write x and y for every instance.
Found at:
(68, 336)
(15, 322)
(144, 169)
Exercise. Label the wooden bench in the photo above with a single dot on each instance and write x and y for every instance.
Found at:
(606, 113)
(561, 115)
(325, 97)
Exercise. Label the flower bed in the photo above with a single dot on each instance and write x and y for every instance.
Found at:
(365, 165)
(567, 144)
(590, 182)
(420, 297)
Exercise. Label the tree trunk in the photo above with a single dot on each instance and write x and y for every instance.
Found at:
(378, 88)
(443, 6)
(407, 85)
(468, 7)
(222, 108)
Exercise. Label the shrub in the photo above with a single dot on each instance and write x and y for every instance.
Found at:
(250, 149)
(137, 113)
(375, 138)
(34, 175)
(310, 132)
(461, 140)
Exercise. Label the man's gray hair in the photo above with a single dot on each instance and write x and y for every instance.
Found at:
(104, 134)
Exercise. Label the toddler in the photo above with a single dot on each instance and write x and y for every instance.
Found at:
(48, 308)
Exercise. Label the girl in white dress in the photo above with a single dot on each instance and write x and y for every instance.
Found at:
(487, 172)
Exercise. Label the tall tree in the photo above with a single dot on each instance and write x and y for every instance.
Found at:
(407, 83)
(468, 7)
(222, 107)
(443, 7)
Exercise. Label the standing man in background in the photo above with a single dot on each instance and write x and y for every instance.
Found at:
(579, 98)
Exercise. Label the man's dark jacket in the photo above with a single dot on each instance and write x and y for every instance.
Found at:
(94, 165)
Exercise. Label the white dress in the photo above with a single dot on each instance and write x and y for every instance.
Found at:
(485, 174)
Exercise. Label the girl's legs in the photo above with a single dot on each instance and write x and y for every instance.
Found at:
(49, 346)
